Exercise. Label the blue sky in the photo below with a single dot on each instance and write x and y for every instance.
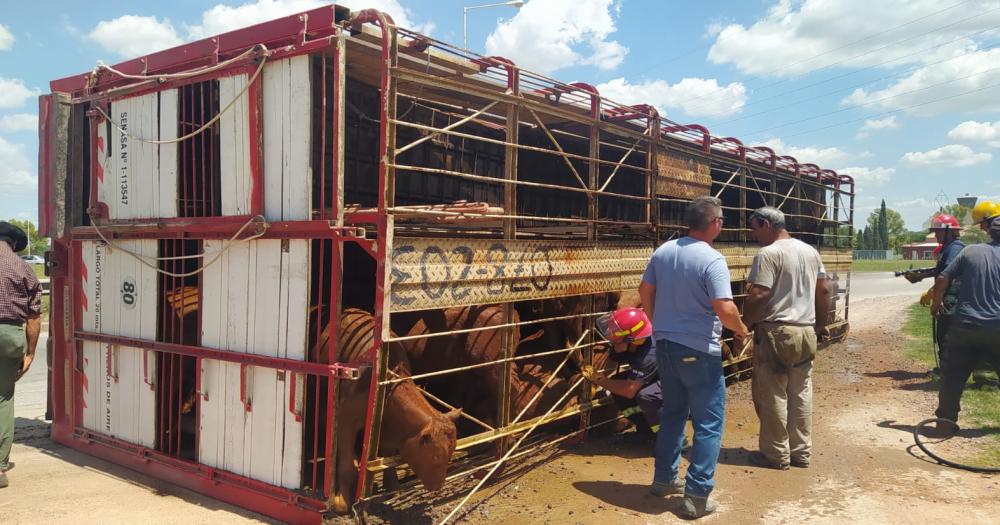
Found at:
(904, 96)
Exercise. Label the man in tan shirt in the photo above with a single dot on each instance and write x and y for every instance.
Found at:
(787, 305)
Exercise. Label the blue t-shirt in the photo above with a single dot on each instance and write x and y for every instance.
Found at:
(688, 275)
(978, 266)
(641, 362)
(948, 253)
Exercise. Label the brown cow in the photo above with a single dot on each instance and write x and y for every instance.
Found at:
(477, 389)
(563, 332)
(421, 435)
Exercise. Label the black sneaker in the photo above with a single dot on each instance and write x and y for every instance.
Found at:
(800, 463)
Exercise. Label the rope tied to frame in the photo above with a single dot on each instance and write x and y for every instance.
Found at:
(259, 49)
(261, 229)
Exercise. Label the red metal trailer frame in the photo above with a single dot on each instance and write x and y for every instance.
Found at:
(318, 30)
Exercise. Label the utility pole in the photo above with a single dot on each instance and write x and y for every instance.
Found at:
(465, 17)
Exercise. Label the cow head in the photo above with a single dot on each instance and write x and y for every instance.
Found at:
(429, 451)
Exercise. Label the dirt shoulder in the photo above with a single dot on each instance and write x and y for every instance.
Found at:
(867, 397)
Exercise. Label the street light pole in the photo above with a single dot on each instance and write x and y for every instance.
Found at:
(465, 17)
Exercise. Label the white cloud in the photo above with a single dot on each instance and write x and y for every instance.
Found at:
(222, 18)
(695, 96)
(961, 84)
(131, 35)
(18, 169)
(13, 92)
(6, 38)
(829, 158)
(877, 124)
(868, 176)
(957, 155)
(556, 34)
(972, 131)
(800, 36)
(19, 122)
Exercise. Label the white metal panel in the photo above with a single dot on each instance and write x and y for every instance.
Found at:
(255, 301)
(165, 170)
(139, 178)
(120, 298)
(234, 146)
(287, 134)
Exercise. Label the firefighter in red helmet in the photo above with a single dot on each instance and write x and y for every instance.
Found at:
(637, 390)
(947, 231)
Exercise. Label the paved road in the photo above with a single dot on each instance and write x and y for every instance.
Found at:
(30, 391)
(867, 285)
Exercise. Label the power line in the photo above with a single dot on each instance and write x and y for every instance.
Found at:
(897, 110)
(854, 86)
(875, 66)
(856, 106)
(890, 44)
(869, 37)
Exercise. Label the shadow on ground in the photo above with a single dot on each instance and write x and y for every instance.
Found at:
(965, 433)
(34, 433)
(629, 496)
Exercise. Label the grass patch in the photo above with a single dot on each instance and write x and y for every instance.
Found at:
(981, 400)
(39, 270)
(894, 265)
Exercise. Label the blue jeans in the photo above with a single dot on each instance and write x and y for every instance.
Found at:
(693, 385)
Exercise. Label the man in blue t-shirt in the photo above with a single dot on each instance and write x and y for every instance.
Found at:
(975, 328)
(687, 289)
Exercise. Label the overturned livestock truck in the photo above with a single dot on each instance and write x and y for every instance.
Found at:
(306, 264)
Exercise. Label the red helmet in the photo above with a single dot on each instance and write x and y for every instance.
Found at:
(625, 325)
(943, 221)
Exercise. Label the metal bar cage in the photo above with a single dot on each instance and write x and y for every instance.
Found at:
(294, 237)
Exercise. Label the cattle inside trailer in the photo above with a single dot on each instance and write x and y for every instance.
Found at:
(271, 245)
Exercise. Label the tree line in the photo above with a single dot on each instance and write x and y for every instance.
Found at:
(885, 229)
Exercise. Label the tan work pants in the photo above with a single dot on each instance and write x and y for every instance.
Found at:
(782, 390)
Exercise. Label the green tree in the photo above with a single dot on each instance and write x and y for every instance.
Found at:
(895, 227)
(869, 238)
(883, 227)
(956, 210)
(36, 245)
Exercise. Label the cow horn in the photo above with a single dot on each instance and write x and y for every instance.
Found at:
(532, 337)
(454, 414)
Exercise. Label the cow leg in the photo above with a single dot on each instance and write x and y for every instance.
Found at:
(347, 472)
(390, 479)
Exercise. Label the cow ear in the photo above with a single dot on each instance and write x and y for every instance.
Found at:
(454, 414)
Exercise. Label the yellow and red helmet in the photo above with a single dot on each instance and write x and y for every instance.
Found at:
(626, 325)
